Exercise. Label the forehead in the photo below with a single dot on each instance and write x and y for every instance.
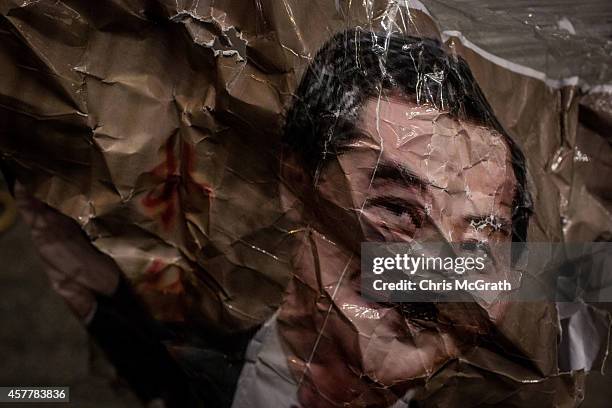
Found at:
(440, 149)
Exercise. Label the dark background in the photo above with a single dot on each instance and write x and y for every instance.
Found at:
(41, 342)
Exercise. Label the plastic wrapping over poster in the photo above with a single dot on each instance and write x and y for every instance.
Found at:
(230, 157)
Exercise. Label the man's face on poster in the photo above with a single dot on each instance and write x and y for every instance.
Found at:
(411, 173)
(416, 173)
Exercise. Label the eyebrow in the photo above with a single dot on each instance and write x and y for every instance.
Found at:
(391, 170)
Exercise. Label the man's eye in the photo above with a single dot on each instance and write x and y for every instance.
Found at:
(395, 208)
(474, 246)
(400, 208)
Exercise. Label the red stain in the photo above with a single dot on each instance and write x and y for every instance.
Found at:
(190, 168)
(165, 200)
(156, 267)
(158, 278)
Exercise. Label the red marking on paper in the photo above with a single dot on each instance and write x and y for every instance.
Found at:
(164, 200)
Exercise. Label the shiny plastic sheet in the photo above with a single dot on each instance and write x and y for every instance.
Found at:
(180, 135)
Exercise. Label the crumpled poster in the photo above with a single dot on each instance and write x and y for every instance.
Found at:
(158, 126)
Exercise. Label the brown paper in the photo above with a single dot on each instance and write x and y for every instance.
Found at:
(157, 127)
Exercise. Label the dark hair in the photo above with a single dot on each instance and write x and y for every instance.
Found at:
(355, 65)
